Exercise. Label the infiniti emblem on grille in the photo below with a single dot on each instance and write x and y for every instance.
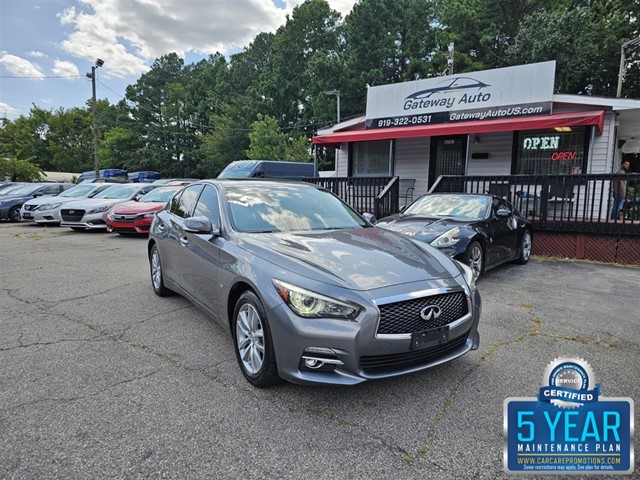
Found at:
(430, 312)
(71, 212)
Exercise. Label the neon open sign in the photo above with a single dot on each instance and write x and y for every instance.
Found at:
(558, 156)
(541, 143)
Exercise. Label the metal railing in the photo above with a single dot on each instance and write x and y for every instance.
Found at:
(377, 195)
(568, 203)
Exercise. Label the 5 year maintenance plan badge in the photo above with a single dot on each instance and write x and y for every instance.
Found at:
(570, 427)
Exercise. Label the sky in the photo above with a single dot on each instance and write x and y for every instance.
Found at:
(48, 46)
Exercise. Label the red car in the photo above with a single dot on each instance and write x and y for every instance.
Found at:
(135, 217)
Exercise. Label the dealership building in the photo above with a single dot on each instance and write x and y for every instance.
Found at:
(506, 121)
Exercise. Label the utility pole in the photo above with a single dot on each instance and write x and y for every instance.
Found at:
(335, 93)
(450, 60)
(92, 76)
(630, 43)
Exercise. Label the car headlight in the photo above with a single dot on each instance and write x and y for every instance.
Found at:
(100, 209)
(313, 305)
(447, 239)
(468, 273)
(49, 206)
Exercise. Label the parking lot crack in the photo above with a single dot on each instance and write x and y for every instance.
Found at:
(65, 400)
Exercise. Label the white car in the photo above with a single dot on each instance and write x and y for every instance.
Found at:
(89, 214)
(46, 210)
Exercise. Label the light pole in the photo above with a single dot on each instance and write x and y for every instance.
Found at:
(92, 76)
(450, 60)
(335, 93)
(630, 43)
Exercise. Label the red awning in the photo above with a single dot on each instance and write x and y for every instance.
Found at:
(567, 119)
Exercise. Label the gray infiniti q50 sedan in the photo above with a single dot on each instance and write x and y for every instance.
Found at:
(310, 292)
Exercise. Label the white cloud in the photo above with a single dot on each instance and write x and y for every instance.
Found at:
(64, 68)
(20, 67)
(7, 110)
(37, 54)
(129, 34)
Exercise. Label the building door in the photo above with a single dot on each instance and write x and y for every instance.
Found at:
(449, 156)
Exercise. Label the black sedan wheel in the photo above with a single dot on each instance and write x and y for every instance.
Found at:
(157, 281)
(474, 257)
(525, 247)
(253, 345)
(14, 214)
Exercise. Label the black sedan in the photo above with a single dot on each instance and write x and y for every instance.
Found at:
(483, 231)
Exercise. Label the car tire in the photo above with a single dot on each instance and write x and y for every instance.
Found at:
(526, 245)
(252, 342)
(157, 277)
(474, 257)
(14, 214)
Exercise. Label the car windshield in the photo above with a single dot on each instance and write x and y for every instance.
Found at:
(25, 189)
(284, 208)
(458, 207)
(118, 191)
(235, 173)
(77, 191)
(161, 194)
(10, 189)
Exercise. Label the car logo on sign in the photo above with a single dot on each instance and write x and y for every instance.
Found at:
(430, 312)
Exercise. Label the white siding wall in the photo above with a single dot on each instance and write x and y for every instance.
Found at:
(499, 146)
(412, 161)
(342, 160)
(603, 147)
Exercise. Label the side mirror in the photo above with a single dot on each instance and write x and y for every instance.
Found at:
(370, 217)
(38, 194)
(138, 197)
(503, 213)
(201, 224)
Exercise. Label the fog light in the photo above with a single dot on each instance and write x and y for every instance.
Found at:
(312, 363)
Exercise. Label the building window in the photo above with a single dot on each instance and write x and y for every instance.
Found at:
(371, 159)
(552, 152)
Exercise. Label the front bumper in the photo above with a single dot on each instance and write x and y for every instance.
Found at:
(45, 216)
(356, 352)
(89, 221)
(137, 225)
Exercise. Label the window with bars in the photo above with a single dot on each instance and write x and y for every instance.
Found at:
(371, 159)
(552, 152)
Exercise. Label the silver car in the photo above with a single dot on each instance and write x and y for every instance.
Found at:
(309, 291)
(90, 213)
(46, 210)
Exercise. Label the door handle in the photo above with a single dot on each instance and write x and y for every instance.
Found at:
(184, 241)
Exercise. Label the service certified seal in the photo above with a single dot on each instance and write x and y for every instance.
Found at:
(569, 383)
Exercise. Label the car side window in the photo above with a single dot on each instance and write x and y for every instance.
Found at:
(183, 205)
(50, 190)
(208, 205)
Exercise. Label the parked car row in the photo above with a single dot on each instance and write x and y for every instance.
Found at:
(125, 208)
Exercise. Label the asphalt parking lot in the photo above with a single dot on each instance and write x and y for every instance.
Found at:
(99, 378)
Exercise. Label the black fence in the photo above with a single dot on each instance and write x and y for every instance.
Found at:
(568, 203)
(377, 195)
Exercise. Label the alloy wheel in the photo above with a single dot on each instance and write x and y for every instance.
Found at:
(250, 338)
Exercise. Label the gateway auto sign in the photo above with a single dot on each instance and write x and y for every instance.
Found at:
(491, 94)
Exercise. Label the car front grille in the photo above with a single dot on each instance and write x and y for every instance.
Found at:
(375, 364)
(71, 215)
(404, 317)
(124, 230)
(125, 218)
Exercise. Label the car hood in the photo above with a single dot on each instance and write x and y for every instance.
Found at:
(90, 203)
(54, 199)
(130, 208)
(424, 229)
(358, 259)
